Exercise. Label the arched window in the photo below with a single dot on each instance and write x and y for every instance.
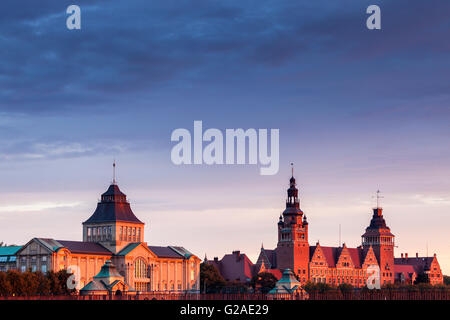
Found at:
(140, 268)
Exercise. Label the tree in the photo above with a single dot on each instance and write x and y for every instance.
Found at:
(264, 281)
(5, 286)
(345, 287)
(211, 281)
(316, 287)
(16, 280)
(447, 280)
(422, 278)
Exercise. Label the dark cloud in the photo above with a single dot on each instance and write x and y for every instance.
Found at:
(135, 48)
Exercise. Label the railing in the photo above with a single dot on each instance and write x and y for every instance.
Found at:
(357, 294)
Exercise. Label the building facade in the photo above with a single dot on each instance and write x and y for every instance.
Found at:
(338, 265)
(113, 233)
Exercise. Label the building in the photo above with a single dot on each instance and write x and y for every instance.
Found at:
(107, 281)
(8, 257)
(408, 269)
(234, 267)
(113, 233)
(288, 284)
(338, 265)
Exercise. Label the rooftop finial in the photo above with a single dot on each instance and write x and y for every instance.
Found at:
(292, 169)
(114, 171)
(378, 198)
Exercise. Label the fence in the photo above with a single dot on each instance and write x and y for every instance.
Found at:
(357, 294)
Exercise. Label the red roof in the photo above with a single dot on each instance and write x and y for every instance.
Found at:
(406, 270)
(332, 255)
(235, 266)
(276, 272)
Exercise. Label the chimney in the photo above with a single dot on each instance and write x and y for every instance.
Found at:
(402, 256)
(406, 256)
(216, 259)
(417, 255)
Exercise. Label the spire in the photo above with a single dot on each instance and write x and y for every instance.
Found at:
(292, 169)
(114, 172)
(378, 197)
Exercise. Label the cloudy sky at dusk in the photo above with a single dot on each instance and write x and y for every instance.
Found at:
(357, 110)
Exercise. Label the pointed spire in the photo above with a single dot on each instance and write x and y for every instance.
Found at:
(292, 169)
(114, 172)
(262, 246)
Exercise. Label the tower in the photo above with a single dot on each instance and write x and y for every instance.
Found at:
(293, 248)
(113, 224)
(378, 236)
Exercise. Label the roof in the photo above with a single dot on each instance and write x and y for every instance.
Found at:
(331, 254)
(84, 247)
(9, 251)
(235, 266)
(276, 273)
(418, 263)
(406, 270)
(356, 255)
(113, 207)
(108, 270)
(165, 252)
(128, 248)
(182, 251)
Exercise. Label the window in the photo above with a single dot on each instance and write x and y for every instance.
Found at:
(139, 235)
(33, 268)
(44, 268)
(23, 268)
(44, 258)
(140, 268)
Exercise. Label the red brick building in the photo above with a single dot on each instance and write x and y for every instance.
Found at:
(337, 265)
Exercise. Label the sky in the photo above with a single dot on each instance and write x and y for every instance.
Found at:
(358, 110)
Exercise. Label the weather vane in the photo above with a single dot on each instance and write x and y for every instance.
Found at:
(378, 197)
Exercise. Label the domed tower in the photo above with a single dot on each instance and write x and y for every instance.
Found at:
(113, 224)
(378, 236)
(293, 248)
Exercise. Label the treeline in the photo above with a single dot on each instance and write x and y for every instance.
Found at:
(211, 281)
(15, 283)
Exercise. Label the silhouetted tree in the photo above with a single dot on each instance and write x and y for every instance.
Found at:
(211, 280)
(264, 281)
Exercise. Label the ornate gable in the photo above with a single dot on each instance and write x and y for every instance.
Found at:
(370, 258)
(344, 258)
(318, 258)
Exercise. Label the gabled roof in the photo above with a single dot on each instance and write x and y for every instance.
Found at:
(128, 248)
(235, 266)
(113, 207)
(356, 256)
(331, 254)
(84, 247)
(165, 252)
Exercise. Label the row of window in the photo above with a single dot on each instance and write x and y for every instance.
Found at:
(99, 233)
(130, 234)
